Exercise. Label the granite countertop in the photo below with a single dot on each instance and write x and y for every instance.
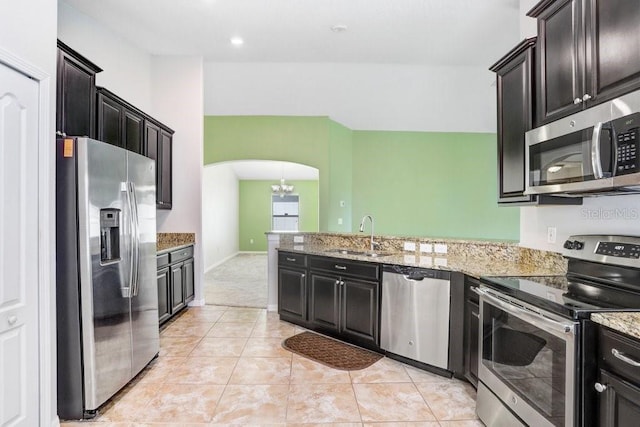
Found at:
(170, 241)
(472, 265)
(627, 323)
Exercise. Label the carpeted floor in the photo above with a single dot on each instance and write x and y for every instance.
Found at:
(239, 282)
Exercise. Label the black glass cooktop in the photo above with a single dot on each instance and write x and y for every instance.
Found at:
(565, 295)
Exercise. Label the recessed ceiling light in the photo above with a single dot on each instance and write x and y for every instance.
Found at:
(237, 41)
(338, 28)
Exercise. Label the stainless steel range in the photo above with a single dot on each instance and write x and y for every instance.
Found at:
(535, 364)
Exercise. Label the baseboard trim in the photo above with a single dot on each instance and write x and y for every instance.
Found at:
(253, 252)
(222, 261)
(197, 303)
(272, 307)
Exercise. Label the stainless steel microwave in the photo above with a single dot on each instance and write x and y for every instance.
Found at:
(590, 153)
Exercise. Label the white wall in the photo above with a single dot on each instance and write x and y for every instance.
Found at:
(220, 213)
(528, 26)
(360, 96)
(597, 215)
(126, 68)
(28, 33)
(177, 101)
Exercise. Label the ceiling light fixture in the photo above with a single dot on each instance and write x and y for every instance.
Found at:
(237, 41)
(339, 28)
(282, 189)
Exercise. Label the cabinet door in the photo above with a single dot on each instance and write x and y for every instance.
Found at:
(613, 48)
(133, 131)
(75, 95)
(188, 280)
(619, 403)
(151, 145)
(360, 308)
(177, 288)
(515, 117)
(324, 302)
(110, 116)
(292, 295)
(164, 308)
(165, 170)
(560, 60)
(472, 332)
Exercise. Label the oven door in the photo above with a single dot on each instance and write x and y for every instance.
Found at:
(527, 360)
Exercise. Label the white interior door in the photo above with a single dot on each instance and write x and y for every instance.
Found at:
(19, 366)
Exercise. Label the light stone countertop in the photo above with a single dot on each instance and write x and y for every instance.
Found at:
(472, 265)
(624, 322)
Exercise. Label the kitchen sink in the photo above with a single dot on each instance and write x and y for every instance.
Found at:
(355, 252)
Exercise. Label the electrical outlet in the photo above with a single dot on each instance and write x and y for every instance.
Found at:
(410, 246)
(342, 203)
(251, 241)
(298, 239)
(440, 248)
(551, 234)
(426, 247)
(339, 221)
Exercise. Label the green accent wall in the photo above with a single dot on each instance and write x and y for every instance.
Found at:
(413, 183)
(430, 184)
(255, 211)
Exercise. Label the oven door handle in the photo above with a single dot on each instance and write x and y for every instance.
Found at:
(536, 320)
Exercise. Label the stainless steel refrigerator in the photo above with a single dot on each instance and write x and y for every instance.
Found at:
(107, 300)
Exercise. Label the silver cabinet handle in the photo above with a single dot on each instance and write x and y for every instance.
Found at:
(577, 101)
(342, 283)
(337, 282)
(302, 276)
(476, 315)
(599, 387)
(626, 359)
(291, 259)
(586, 97)
(340, 267)
(12, 320)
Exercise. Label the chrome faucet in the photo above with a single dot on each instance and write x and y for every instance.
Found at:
(373, 244)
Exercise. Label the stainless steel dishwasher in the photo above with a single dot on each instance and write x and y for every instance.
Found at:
(415, 314)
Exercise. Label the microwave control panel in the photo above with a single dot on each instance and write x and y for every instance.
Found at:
(627, 139)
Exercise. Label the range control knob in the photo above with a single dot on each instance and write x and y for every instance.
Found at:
(573, 244)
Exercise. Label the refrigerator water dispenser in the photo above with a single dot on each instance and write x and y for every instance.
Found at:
(109, 235)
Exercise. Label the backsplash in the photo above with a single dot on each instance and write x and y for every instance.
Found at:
(170, 240)
(502, 251)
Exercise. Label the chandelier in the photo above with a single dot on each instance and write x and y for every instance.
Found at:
(282, 189)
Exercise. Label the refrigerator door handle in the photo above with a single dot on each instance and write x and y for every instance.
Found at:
(136, 237)
(126, 292)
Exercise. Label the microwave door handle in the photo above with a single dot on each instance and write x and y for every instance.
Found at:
(596, 163)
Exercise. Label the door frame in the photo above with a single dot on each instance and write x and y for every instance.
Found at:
(46, 236)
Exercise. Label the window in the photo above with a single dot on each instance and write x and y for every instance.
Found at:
(285, 212)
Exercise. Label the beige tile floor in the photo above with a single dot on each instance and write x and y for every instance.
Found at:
(225, 366)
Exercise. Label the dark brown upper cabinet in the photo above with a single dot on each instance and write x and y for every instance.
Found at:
(75, 93)
(119, 123)
(159, 146)
(588, 53)
(515, 87)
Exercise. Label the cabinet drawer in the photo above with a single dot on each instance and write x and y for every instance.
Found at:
(613, 349)
(292, 259)
(344, 267)
(162, 260)
(181, 254)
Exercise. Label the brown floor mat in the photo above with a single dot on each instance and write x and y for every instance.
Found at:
(329, 352)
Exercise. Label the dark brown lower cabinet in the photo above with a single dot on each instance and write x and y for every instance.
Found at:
(471, 332)
(164, 309)
(176, 280)
(292, 295)
(618, 384)
(333, 296)
(345, 307)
